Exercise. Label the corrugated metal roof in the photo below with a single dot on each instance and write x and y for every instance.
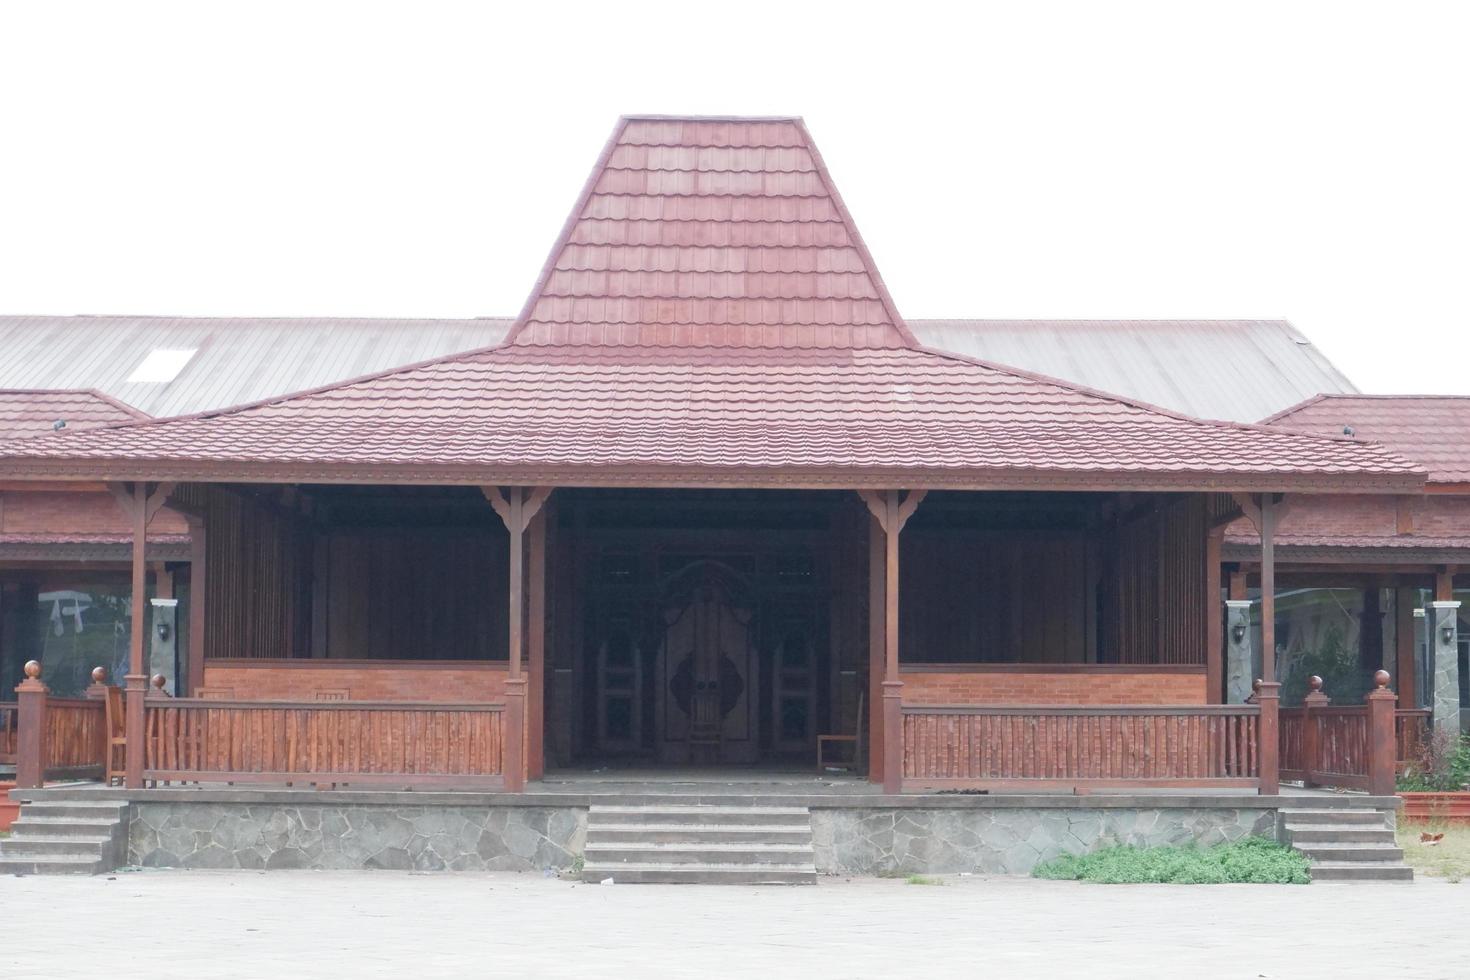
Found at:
(1238, 370)
(237, 360)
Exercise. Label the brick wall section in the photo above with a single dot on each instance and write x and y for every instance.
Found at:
(1098, 687)
(53, 512)
(364, 681)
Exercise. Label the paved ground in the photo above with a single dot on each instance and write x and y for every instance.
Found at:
(280, 925)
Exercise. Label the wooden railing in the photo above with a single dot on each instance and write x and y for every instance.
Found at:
(1004, 747)
(74, 738)
(1347, 747)
(344, 742)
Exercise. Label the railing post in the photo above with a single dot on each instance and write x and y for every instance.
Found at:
(30, 750)
(1311, 737)
(97, 690)
(1268, 697)
(1382, 745)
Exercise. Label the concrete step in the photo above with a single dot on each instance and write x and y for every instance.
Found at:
(1313, 834)
(719, 844)
(56, 865)
(1351, 852)
(32, 826)
(1345, 815)
(71, 837)
(673, 833)
(700, 853)
(1361, 871)
(76, 809)
(702, 874)
(665, 813)
(32, 848)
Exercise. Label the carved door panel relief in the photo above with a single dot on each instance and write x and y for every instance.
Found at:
(707, 668)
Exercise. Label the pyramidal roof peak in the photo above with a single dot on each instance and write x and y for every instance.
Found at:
(713, 231)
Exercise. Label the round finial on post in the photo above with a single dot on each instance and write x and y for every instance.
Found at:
(33, 670)
(1381, 679)
(99, 675)
(1256, 685)
(159, 681)
(1315, 683)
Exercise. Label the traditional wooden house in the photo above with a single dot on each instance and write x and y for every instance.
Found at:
(709, 501)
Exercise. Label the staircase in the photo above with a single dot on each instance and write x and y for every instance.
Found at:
(71, 837)
(700, 844)
(1346, 844)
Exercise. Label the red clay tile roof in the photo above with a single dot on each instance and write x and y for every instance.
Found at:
(29, 412)
(711, 232)
(1431, 430)
(710, 316)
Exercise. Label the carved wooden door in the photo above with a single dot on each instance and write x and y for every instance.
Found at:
(707, 668)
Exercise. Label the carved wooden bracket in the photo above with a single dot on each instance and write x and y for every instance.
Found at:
(892, 508)
(516, 505)
(155, 495)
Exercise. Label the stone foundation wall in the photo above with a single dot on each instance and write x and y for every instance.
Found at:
(355, 836)
(870, 841)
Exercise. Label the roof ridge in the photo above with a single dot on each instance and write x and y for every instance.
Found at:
(1143, 405)
(96, 393)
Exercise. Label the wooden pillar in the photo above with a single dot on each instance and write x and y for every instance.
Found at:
(892, 509)
(1404, 641)
(1382, 745)
(30, 729)
(876, 661)
(139, 501)
(1214, 619)
(1268, 588)
(536, 647)
(1444, 584)
(516, 507)
(136, 679)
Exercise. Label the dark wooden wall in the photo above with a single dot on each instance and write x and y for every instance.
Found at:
(1153, 607)
(1127, 588)
(981, 596)
(436, 594)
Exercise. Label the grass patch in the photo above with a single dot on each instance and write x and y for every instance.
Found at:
(924, 880)
(1254, 860)
(1449, 859)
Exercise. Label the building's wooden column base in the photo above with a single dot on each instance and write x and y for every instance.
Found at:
(893, 736)
(514, 763)
(135, 693)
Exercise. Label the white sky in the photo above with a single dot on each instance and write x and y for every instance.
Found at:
(1300, 160)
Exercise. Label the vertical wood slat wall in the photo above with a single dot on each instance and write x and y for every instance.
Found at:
(1155, 610)
(259, 575)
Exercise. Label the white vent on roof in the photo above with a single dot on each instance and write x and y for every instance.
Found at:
(162, 365)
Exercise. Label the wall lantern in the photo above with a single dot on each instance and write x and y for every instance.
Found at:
(163, 632)
(1237, 632)
(1447, 635)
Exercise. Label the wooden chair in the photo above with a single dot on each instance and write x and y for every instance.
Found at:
(217, 693)
(333, 694)
(856, 739)
(117, 735)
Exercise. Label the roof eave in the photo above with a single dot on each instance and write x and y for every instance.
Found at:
(652, 475)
